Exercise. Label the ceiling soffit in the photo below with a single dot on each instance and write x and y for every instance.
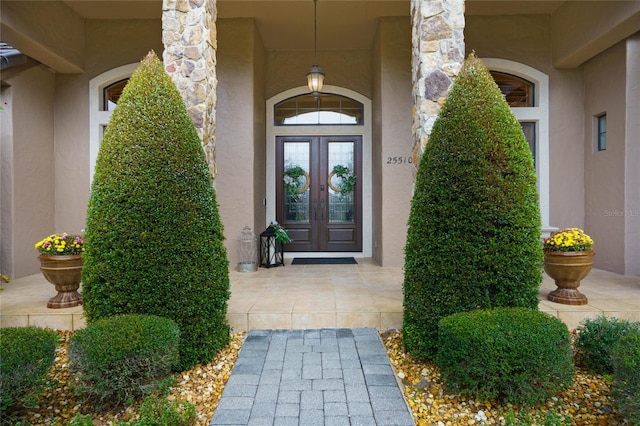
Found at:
(288, 24)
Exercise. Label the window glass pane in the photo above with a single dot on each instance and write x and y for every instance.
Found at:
(112, 93)
(517, 91)
(602, 132)
(326, 109)
(529, 130)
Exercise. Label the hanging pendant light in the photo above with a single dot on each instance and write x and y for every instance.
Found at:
(315, 76)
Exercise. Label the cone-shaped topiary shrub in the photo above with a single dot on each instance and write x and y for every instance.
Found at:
(154, 241)
(474, 227)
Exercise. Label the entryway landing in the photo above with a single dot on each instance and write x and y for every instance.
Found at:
(322, 296)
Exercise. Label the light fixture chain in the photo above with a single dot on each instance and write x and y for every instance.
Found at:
(315, 31)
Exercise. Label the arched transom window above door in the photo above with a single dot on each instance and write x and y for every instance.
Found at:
(327, 109)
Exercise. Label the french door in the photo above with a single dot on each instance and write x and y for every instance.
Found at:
(319, 192)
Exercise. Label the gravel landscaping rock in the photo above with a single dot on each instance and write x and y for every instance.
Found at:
(586, 401)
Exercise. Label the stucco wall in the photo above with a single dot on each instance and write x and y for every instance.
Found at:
(397, 174)
(259, 133)
(109, 44)
(29, 207)
(236, 137)
(288, 69)
(528, 39)
(605, 92)
(632, 158)
(376, 148)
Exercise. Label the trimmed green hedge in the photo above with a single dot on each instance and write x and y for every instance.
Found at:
(517, 355)
(121, 358)
(626, 376)
(596, 340)
(27, 354)
(473, 240)
(154, 239)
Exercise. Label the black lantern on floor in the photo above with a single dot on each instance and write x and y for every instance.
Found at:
(271, 251)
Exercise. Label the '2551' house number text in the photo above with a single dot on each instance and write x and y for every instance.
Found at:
(399, 160)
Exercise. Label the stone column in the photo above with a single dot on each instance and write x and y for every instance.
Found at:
(437, 56)
(189, 38)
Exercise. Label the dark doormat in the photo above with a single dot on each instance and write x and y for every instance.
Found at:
(324, 261)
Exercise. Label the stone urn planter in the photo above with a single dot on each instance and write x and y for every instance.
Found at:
(567, 269)
(65, 273)
(568, 257)
(61, 264)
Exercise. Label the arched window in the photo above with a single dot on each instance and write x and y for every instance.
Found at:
(104, 92)
(305, 110)
(517, 91)
(112, 93)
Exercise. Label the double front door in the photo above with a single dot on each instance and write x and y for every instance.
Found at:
(319, 192)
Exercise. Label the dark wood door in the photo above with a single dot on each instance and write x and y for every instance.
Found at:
(319, 192)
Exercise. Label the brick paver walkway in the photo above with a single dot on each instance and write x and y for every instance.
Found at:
(312, 377)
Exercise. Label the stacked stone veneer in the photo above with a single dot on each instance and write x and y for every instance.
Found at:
(437, 56)
(189, 38)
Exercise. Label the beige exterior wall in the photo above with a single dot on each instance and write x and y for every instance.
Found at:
(393, 143)
(28, 169)
(632, 159)
(240, 130)
(350, 69)
(611, 178)
(260, 134)
(605, 86)
(109, 44)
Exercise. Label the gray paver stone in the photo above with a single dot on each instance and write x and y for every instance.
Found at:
(359, 409)
(395, 418)
(287, 410)
(230, 417)
(328, 384)
(335, 396)
(332, 409)
(264, 409)
(265, 393)
(235, 403)
(312, 417)
(289, 397)
(357, 393)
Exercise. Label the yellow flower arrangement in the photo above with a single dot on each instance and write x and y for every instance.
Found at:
(570, 239)
(61, 245)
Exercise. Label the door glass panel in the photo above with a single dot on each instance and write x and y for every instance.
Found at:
(296, 181)
(340, 182)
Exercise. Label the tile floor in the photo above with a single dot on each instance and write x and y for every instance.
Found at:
(322, 296)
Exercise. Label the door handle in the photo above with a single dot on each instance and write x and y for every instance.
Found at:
(315, 209)
(322, 210)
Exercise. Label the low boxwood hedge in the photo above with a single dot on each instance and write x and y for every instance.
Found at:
(626, 376)
(597, 339)
(121, 358)
(516, 355)
(27, 355)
